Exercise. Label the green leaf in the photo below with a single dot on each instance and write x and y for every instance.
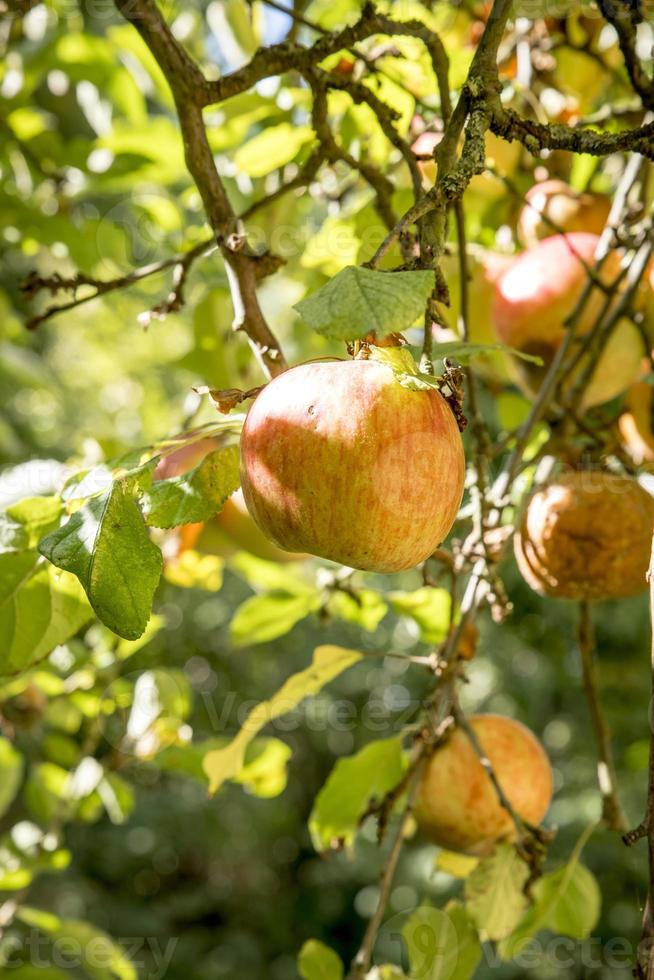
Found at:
(117, 797)
(11, 773)
(264, 771)
(442, 943)
(457, 865)
(195, 496)
(495, 899)
(101, 958)
(465, 352)
(567, 901)
(106, 545)
(88, 482)
(352, 783)
(194, 570)
(328, 662)
(40, 608)
(24, 523)
(272, 148)
(573, 898)
(318, 962)
(358, 301)
(269, 575)
(366, 610)
(428, 607)
(266, 617)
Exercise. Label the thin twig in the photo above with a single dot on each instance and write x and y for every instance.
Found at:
(606, 775)
(101, 287)
(645, 954)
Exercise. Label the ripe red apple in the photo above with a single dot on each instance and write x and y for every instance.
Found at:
(484, 269)
(568, 209)
(538, 292)
(457, 805)
(340, 460)
(586, 535)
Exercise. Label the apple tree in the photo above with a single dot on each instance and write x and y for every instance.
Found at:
(327, 367)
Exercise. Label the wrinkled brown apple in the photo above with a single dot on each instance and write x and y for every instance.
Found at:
(586, 535)
(457, 805)
(535, 297)
(340, 460)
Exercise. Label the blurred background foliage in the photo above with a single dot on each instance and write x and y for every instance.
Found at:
(93, 180)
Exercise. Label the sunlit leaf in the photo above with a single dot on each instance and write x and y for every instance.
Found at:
(265, 617)
(352, 784)
(195, 496)
(328, 662)
(442, 943)
(24, 523)
(567, 901)
(100, 957)
(358, 301)
(40, 608)
(272, 148)
(457, 865)
(270, 575)
(318, 962)
(365, 608)
(264, 770)
(193, 570)
(494, 891)
(11, 772)
(428, 607)
(106, 545)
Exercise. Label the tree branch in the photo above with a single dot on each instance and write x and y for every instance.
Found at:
(54, 284)
(189, 89)
(537, 136)
(287, 56)
(625, 16)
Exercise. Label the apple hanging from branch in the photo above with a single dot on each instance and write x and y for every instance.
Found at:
(457, 805)
(536, 295)
(586, 535)
(340, 460)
